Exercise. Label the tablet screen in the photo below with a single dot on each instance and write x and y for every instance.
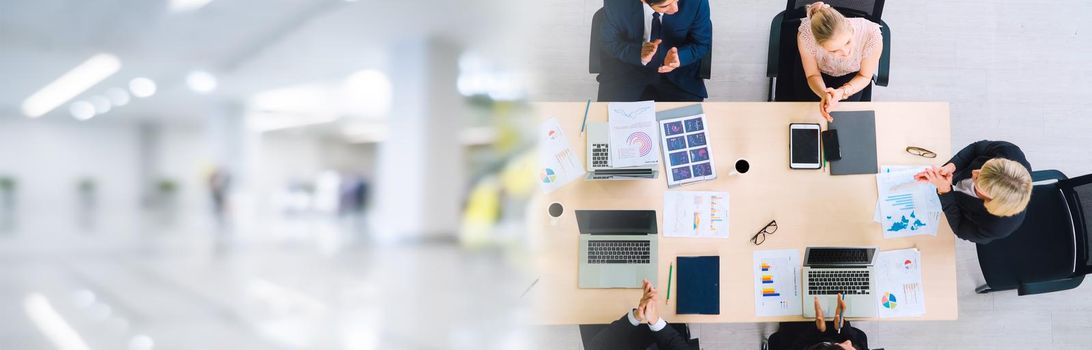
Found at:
(805, 146)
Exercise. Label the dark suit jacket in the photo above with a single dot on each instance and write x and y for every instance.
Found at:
(689, 30)
(622, 335)
(801, 335)
(967, 215)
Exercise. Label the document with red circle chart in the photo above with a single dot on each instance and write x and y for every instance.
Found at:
(633, 134)
(899, 292)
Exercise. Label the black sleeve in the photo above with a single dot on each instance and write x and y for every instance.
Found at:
(961, 226)
(621, 334)
(798, 335)
(613, 37)
(670, 339)
(963, 158)
(991, 149)
(859, 338)
(700, 38)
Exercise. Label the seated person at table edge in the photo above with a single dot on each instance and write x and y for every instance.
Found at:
(983, 190)
(652, 50)
(839, 55)
(825, 335)
(639, 328)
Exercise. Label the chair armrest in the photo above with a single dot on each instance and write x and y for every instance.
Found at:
(1050, 174)
(1050, 286)
(773, 87)
(773, 56)
(884, 70)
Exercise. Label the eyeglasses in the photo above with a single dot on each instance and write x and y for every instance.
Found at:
(760, 237)
(921, 152)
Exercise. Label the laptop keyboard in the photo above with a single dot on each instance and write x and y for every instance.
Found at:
(831, 281)
(599, 155)
(618, 252)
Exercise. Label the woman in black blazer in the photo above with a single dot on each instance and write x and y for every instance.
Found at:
(823, 335)
(983, 190)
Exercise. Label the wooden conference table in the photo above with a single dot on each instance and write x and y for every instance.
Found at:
(812, 208)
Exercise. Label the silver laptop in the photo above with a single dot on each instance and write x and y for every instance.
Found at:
(832, 270)
(618, 248)
(599, 164)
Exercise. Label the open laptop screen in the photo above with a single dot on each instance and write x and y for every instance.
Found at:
(625, 222)
(838, 256)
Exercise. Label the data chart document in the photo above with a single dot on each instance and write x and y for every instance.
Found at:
(898, 283)
(777, 282)
(632, 134)
(696, 214)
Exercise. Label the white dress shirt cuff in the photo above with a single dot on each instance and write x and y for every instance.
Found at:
(632, 318)
(656, 327)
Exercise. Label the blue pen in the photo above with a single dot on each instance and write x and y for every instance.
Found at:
(585, 123)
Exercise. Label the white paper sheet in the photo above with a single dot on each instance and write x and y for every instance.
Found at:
(906, 207)
(633, 134)
(558, 165)
(887, 169)
(688, 157)
(696, 214)
(898, 282)
(777, 282)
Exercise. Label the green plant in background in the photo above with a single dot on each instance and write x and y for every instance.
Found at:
(7, 184)
(86, 185)
(167, 186)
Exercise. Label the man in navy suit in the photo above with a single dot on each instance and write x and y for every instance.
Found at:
(652, 50)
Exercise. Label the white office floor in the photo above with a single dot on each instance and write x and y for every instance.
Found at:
(1011, 70)
(304, 283)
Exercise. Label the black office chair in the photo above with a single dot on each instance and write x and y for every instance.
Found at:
(595, 49)
(783, 67)
(589, 331)
(1050, 250)
(785, 331)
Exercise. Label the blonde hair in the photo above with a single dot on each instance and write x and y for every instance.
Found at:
(1007, 183)
(825, 21)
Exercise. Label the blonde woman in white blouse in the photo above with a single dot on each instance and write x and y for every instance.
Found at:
(840, 55)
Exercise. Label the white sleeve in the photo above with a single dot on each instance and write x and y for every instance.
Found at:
(660, 324)
(632, 318)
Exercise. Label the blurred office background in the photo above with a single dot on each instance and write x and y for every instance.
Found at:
(262, 174)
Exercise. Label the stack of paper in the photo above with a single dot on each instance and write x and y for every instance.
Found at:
(632, 134)
(906, 207)
(898, 283)
(696, 214)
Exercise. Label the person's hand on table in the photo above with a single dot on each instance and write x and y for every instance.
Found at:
(939, 177)
(833, 97)
(648, 50)
(820, 323)
(947, 169)
(824, 103)
(838, 313)
(648, 297)
(671, 61)
(646, 308)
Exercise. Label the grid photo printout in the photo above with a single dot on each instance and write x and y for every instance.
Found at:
(687, 154)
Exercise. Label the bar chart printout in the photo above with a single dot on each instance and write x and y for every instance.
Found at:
(777, 282)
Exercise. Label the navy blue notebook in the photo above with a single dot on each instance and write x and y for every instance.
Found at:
(698, 285)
